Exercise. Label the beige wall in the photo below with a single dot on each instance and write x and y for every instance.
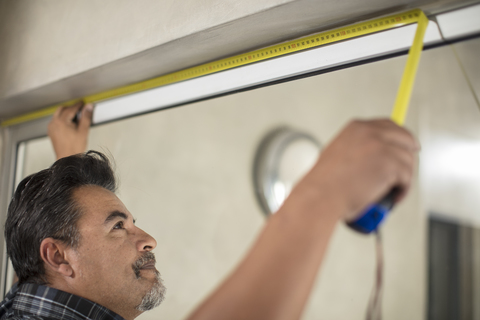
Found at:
(186, 176)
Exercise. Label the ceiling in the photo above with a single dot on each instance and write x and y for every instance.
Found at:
(54, 51)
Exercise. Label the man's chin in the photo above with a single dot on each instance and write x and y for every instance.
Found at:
(154, 297)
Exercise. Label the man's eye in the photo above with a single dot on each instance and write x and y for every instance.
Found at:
(118, 225)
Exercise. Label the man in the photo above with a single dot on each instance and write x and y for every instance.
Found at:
(79, 255)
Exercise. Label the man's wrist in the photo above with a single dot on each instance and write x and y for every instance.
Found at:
(323, 197)
(314, 206)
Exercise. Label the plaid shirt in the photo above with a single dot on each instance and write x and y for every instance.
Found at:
(33, 301)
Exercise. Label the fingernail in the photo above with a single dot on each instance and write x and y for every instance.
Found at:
(89, 107)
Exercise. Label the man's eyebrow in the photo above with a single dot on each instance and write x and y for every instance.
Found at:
(114, 215)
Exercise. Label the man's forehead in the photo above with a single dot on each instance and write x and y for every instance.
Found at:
(97, 202)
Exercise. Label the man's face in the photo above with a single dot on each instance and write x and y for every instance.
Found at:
(113, 264)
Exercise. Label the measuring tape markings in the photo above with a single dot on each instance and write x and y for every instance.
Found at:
(308, 42)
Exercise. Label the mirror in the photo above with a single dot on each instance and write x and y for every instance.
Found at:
(186, 175)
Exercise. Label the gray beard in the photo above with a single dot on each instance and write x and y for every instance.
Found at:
(154, 297)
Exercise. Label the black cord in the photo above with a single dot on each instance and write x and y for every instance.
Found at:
(460, 64)
(374, 311)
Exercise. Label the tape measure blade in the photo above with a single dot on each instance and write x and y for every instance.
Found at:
(408, 79)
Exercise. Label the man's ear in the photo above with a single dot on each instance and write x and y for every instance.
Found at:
(54, 256)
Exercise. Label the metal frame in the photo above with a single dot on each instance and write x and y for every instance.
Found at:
(12, 136)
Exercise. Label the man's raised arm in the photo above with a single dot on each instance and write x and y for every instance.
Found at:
(362, 164)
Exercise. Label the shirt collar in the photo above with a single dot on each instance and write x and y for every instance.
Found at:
(51, 303)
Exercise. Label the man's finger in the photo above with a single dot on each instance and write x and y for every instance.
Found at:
(86, 118)
(392, 133)
(57, 113)
(68, 113)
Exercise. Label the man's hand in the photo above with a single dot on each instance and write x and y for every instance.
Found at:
(364, 162)
(69, 137)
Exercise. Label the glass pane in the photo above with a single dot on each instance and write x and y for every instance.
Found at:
(39, 155)
(186, 176)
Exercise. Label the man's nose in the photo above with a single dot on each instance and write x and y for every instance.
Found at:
(145, 242)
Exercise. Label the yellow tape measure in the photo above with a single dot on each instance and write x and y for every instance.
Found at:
(312, 41)
(406, 85)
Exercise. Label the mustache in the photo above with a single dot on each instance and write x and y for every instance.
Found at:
(143, 260)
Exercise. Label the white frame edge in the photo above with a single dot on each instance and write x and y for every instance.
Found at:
(12, 137)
